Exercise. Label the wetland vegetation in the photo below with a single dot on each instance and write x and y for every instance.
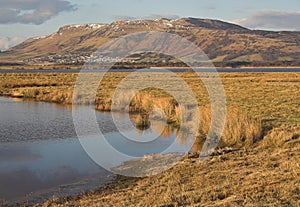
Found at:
(257, 160)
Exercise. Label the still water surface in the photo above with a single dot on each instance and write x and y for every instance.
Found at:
(264, 70)
(41, 157)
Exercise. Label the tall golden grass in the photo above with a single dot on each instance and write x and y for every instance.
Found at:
(266, 175)
(272, 96)
(240, 128)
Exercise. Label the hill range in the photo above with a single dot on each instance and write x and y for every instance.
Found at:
(224, 43)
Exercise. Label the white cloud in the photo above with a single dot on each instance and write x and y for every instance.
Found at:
(31, 11)
(151, 16)
(159, 16)
(271, 19)
(6, 42)
(211, 7)
(124, 17)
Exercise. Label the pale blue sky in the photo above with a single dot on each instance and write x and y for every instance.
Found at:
(46, 16)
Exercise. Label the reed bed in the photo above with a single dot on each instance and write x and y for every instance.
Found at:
(240, 129)
(257, 163)
(258, 103)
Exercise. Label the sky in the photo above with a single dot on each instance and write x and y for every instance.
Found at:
(21, 19)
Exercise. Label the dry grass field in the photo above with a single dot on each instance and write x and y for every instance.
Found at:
(257, 163)
(255, 177)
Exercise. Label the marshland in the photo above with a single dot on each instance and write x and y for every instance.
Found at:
(257, 159)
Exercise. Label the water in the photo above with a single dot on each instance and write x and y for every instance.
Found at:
(41, 157)
(42, 169)
(264, 70)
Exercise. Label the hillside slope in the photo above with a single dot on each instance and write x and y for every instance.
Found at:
(221, 41)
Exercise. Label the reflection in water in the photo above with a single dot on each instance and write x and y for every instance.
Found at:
(23, 121)
(40, 168)
(39, 157)
(165, 130)
(17, 154)
(24, 180)
(182, 136)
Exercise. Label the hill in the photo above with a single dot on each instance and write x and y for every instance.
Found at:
(225, 44)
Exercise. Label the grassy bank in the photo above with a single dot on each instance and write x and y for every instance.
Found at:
(272, 96)
(254, 177)
(262, 131)
(38, 67)
(268, 99)
(265, 101)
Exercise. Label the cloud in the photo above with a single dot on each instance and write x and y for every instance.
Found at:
(151, 16)
(159, 16)
(6, 42)
(123, 17)
(271, 19)
(32, 11)
(211, 7)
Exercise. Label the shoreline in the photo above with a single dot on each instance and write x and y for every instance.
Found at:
(68, 67)
(245, 67)
(131, 191)
(37, 198)
(259, 161)
(153, 70)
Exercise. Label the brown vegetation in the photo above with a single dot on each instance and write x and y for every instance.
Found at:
(257, 163)
(225, 44)
(251, 177)
(267, 101)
